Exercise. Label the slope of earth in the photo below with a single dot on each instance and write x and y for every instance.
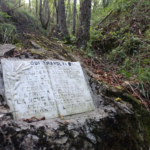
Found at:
(121, 45)
(114, 124)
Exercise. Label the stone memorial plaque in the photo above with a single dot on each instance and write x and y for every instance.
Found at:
(45, 88)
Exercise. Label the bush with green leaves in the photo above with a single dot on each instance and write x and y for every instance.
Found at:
(130, 46)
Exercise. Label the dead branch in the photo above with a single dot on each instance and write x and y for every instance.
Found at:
(104, 19)
(14, 7)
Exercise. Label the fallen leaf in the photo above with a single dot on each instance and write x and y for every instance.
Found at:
(67, 121)
(119, 87)
(61, 117)
(96, 77)
(66, 55)
(126, 82)
(105, 74)
(118, 99)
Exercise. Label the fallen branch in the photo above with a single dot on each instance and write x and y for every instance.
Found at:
(14, 7)
(31, 119)
(130, 87)
(104, 19)
(134, 91)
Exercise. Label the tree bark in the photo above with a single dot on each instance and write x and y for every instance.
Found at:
(24, 6)
(68, 13)
(30, 6)
(74, 17)
(57, 16)
(62, 18)
(94, 5)
(19, 3)
(83, 33)
(36, 7)
(44, 19)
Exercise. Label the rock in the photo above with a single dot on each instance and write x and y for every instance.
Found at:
(91, 137)
(62, 140)
(36, 46)
(93, 130)
(61, 133)
(2, 95)
(75, 133)
(6, 50)
(35, 138)
(2, 117)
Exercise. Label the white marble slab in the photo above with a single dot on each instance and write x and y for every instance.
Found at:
(45, 88)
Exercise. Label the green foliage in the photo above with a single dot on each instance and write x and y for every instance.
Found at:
(8, 32)
(88, 49)
(73, 39)
(127, 74)
(5, 15)
(130, 46)
(144, 75)
(71, 47)
(96, 34)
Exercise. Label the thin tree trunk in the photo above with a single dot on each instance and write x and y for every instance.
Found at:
(74, 17)
(53, 14)
(94, 6)
(29, 5)
(19, 3)
(62, 18)
(67, 12)
(40, 9)
(36, 7)
(83, 33)
(104, 3)
(57, 15)
(45, 9)
(44, 21)
(24, 6)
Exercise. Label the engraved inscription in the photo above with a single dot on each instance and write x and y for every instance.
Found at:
(45, 88)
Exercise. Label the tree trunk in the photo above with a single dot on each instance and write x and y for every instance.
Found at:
(40, 9)
(53, 16)
(57, 16)
(36, 7)
(46, 16)
(94, 5)
(68, 13)
(62, 18)
(30, 6)
(19, 3)
(74, 17)
(24, 6)
(83, 33)
(104, 2)
(45, 10)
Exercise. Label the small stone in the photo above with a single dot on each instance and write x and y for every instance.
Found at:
(36, 46)
(61, 133)
(91, 137)
(67, 121)
(64, 139)
(75, 134)
(35, 138)
(6, 50)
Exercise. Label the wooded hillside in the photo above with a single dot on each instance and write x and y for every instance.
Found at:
(112, 37)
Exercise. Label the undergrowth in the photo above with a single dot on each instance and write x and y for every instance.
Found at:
(123, 39)
(13, 23)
